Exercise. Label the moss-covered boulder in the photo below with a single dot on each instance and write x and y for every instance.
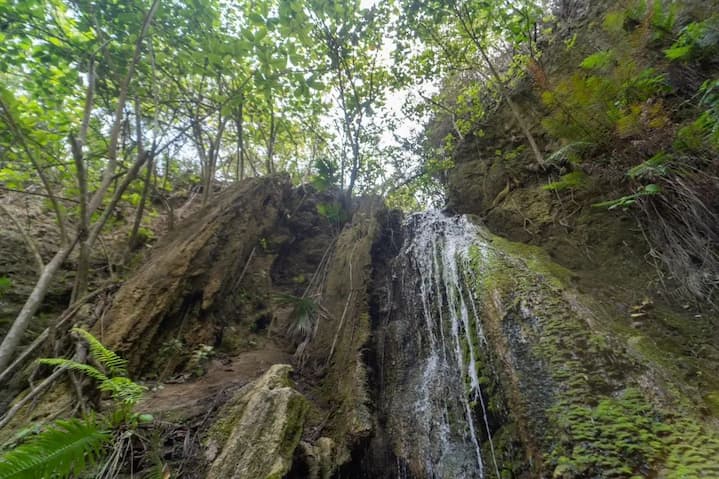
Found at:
(256, 432)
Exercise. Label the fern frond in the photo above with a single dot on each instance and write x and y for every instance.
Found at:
(66, 448)
(86, 369)
(114, 364)
(566, 152)
(123, 389)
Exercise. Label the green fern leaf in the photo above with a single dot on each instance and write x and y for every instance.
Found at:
(123, 389)
(86, 369)
(66, 448)
(114, 364)
(569, 152)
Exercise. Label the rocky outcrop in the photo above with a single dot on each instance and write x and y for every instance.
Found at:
(193, 269)
(430, 348)
(492, 364)
(230, 283)
(258, 429)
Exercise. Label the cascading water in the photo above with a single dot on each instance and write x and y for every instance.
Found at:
(431, 394)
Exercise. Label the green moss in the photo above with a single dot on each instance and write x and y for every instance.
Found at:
(712, 401)
(616, 438)
(595, 427)
(536, 260)
(296, 413)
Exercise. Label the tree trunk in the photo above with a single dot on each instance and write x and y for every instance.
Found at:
(17, 330)
(466, 26)
(239, 126)
(133, 242)
(148, 177)
(83, 267)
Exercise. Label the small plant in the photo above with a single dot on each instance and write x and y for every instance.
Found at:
(305, 311)
(199, 357)
(265, 245)
(327, 175)
(5, 284)
(334, 212)
(573, 180)
(629, 200)
(64, 449)
(67, 447)
(697, 41)
(121, 388)
(656, 166)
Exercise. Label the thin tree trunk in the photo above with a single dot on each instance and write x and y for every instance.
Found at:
(148, 176)
(141, 207)
(271, 142)
(502, 88)
(117, 124)
(17, 330)
(239, 125)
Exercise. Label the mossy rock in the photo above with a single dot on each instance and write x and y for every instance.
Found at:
(577, 389)
(257, 432)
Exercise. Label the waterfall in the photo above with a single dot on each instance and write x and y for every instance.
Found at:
(434, 333)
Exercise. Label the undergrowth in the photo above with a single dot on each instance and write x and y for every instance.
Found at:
(94, 444)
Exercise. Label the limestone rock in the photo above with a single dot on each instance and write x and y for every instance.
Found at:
(258, 430)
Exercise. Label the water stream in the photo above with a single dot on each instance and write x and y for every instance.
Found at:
(435, 409)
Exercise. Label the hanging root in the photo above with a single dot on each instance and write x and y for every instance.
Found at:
(683, 228)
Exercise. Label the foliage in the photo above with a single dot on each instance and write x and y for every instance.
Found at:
(656, 166)
(64, 449)
(628, 200)
(120, 387)
(5, 285)
(333, 211)
(573, 180)
(305, 312)
(479, 48)
(113, 363)
(598, 60)
(199, 357)
(68, 447)
(697, 41)
(327, 175)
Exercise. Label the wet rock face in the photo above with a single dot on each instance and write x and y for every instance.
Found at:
(488, 364)
(429, 418)
(258, 430)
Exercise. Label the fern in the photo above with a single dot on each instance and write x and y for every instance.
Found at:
(304, 311)
(114, 364)
(569, 152)
(120, 388)
(573, 180)
(67, 447)
(598, 60)
(86, 369)
(123, 389)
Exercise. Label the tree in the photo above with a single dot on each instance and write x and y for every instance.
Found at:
(38, 137)
(352, 39)
(469, 35)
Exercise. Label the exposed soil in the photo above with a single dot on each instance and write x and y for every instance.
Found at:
(183, 398)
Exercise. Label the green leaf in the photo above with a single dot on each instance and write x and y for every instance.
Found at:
(678, 52)
(597, 60)
(256, 18)
(66, 448)
(114, 364)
